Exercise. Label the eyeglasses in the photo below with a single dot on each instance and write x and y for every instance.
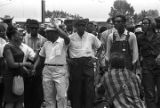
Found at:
(145, 23)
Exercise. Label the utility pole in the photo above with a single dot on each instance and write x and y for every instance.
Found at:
(43, 10)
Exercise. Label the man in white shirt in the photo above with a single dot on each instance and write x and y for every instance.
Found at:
(81, 51)
(53, 55)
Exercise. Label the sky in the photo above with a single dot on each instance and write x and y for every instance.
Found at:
(92, 9)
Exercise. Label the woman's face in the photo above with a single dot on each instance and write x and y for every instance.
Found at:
(145, 25)
(17, 37)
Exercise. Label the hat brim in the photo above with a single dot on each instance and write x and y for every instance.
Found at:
(7, 18)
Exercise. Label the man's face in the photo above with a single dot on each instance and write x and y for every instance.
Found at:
(119, 23)
(110, 25)
(8, 22)
(81, 28)
(34, 31)
(18, 37)
(52, 35)
(145, 25)
(2, 33)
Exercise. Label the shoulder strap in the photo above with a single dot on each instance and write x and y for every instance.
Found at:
(114, 38)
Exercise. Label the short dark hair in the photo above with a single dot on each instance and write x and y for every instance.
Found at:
(33, 23)
(109, 20)
(121, 16)
(81, 22)
(11, 31)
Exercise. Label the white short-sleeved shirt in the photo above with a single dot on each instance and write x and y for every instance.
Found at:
(54, 53)
(83, 47)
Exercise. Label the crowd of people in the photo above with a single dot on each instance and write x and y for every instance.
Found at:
(81, 64)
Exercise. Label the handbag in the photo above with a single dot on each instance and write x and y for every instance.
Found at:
(18, 85)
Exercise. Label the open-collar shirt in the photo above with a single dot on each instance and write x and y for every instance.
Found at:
(84, 46)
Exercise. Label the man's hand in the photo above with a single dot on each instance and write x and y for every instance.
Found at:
(53, 22)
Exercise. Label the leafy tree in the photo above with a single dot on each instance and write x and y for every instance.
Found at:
(60, 14)
(150, 13)
(121, 7)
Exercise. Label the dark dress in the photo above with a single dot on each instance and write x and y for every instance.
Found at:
(18, 56)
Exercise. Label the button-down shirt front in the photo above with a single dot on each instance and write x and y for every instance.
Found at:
(35, 43)
(132, 42)
(83, 46)
(54, 53)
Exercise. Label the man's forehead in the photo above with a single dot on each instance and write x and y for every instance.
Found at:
(118, 18)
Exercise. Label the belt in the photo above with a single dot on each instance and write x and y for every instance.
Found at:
(54, 64)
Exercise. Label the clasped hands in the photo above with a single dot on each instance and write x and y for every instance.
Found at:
(28, 68)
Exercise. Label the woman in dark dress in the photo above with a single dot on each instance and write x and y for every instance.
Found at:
(14, 58)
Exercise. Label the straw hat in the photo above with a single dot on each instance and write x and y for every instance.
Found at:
(7, 17)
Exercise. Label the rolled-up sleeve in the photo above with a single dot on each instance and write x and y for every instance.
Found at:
(134, 47)
(42, 51)
(109, 42)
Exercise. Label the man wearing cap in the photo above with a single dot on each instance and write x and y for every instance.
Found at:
(81, 52)
(8, 20)
(53, 55)
(33, 90)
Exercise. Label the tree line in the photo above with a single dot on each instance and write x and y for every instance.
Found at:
(119, 7)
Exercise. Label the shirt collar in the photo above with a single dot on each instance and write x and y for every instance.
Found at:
(57, 41)
(83, 34)
(125, 32)
(38, 36)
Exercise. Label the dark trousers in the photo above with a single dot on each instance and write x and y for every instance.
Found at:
(33, 92)
(1, 94)
(81, 82)
(151, 81)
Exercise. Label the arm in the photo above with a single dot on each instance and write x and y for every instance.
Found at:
(62, 33)
(134, 47)
(40, 60)
(109, 43)
(10, 60)
(31, 54)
